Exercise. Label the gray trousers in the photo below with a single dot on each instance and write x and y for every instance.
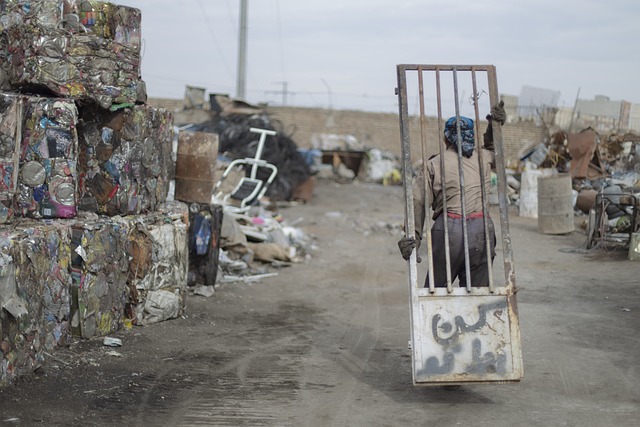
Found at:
(479, 267)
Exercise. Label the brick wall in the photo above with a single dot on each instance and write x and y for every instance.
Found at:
(382, 130)
(377, 130)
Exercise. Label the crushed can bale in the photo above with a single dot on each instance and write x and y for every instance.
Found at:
(85, 50)
(99, 270)
(124, 160)
(9, 152)
(38, 157)
(35, 284)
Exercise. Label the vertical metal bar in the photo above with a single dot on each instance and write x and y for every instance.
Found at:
(423, 136)
(406, 153)
(485, 206)
(507, 250)
(467, 264)
(443, 148)
(407, 169)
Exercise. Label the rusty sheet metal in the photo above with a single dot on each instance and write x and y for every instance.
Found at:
(460, 334)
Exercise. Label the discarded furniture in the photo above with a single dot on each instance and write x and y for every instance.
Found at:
(613, 220)
(250, 188)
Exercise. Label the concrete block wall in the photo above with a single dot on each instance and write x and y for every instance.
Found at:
(382, 130)
(377, 130)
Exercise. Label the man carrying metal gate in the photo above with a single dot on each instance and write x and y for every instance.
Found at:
(468, 333)
(441, 190)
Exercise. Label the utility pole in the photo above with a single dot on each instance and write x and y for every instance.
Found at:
(242, 52)
(573, 112)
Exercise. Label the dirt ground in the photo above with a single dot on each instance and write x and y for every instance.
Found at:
(324, 343)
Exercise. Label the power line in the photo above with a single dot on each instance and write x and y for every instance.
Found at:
(232, 18)
(213, 36)
(279, 23)
(284, 92)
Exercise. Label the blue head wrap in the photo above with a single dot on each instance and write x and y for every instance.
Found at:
(466, 133)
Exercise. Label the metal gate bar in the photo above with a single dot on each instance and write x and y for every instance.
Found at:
(485, 205)
(465, 231)
(434, 361)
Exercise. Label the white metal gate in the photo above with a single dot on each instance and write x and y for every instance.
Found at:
(459, 334)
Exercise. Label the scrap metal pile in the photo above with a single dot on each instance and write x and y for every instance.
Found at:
(237, 142)
(88, 241)
(605, 172)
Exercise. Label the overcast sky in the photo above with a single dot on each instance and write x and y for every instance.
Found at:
(343, 53)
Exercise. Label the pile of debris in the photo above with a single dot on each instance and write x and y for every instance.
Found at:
(253, 245)
(339, 157)
(592, 161)
(343, 158)
(605, 177)
(232, 121)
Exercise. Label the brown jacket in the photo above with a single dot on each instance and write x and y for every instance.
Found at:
(432, 187)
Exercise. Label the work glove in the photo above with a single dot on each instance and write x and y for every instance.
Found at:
(498, 114)
(406, 245)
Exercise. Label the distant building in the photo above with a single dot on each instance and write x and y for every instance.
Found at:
(600, 113)
(634, 117)
(605, 115)
(532, 101)
(510, 106)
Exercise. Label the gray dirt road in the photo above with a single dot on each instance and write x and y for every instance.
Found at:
(325, 342)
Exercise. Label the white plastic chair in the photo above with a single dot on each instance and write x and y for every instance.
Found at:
(249, 189)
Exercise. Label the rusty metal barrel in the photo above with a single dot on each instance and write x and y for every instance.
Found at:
(196, 166)
(555, 204)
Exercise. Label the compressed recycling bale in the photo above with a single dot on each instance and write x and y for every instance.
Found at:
(125, 159)
(99, 268)
(69, 276)
(85, 50)
(48, 180)
(21, 341)
(43, 260)
(157, 279)
(34, 291)
(10, 113)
